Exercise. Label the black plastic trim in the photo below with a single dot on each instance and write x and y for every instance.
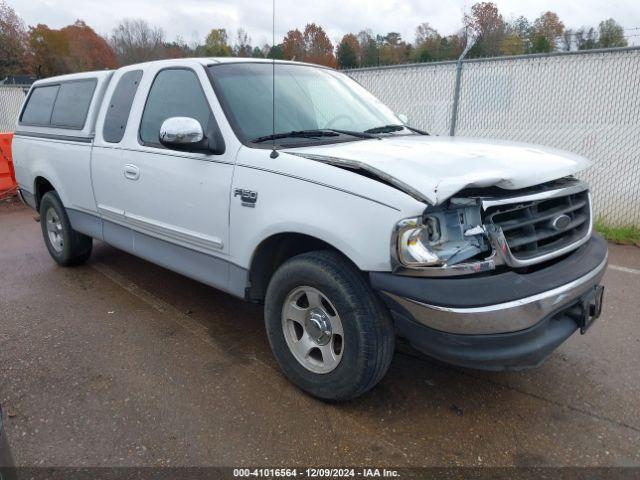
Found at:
(496, 352)
(28, 198)
(53, 136)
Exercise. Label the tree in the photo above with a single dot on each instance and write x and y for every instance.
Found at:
(243, 46)
(179, 49)
(74, 48)
(86, 49)
(348, 51)
(14, 58)
(547, 30)
(428, 44)
(585, 38)
(521, 28)
(566, 42)
(370, 53)
(392, 49)
(217, 43)
(425, 33)
(293, 45)
(541, 44)
(49, 50)
(318, 47)
(452, 46)
(312, 45)
(611, 34)
(487, 26)
(276, 52)
(134, 41)
(512, 44)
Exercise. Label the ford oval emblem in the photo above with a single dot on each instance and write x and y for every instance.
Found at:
(561, 222)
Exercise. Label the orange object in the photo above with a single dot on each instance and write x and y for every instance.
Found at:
(7, 174)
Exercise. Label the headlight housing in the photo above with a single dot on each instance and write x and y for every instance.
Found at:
(414, 240)
(441, 237)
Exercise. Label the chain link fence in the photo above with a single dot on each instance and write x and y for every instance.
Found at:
(11, 98)
(585, 102)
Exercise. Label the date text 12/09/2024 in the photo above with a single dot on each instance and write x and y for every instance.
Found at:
(316, 472)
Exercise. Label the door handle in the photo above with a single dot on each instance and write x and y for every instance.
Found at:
(131, 172)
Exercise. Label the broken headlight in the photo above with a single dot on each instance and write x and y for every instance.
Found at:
(441, 237)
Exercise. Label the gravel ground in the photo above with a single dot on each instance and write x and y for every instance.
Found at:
(120, 362)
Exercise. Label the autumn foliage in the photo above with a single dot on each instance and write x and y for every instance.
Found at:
(74, 48)
(44, 51)
(312, 46)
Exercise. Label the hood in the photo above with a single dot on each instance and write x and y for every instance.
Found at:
(433, 169)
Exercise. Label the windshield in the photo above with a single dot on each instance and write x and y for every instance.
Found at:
(307, 99)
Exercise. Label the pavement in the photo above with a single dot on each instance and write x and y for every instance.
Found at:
(122, 363)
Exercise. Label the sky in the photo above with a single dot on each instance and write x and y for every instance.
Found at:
(192, 19)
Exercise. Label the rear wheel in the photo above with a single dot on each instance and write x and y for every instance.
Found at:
(331, 335)
(66, 246)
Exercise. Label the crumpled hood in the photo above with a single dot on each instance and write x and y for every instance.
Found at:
(433, 169)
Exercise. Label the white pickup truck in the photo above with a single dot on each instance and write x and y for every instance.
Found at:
(350, 226)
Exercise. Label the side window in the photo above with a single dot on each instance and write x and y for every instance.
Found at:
(39, 106)
(174, 93)
(72, 104)
(117, 116)
(65, 105)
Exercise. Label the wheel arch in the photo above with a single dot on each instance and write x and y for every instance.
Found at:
(41, 185)
(276, 249)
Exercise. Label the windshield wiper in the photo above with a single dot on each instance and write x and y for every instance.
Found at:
(394, 128)
(327, 132)
(385, 129)
(365, 134)
(297, 133)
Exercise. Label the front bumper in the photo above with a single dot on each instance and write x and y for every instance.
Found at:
(502, 321)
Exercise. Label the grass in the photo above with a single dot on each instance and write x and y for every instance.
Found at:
(627, 235)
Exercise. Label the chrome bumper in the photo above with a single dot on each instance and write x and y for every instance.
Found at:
(506, 317)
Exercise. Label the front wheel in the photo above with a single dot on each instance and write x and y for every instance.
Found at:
(331, 335)
(66, 246)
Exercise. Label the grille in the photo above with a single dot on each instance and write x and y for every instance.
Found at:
(529, 226)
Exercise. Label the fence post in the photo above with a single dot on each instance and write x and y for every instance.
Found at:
(456, 91)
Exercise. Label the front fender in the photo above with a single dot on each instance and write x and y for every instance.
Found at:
(358, 227)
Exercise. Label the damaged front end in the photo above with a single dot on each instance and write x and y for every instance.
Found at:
(478, 233)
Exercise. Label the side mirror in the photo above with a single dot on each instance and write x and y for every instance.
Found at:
(403, 118)
(183, 133)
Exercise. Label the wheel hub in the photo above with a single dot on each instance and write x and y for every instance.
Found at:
(313, 329)
(54, 230)
(318, 326)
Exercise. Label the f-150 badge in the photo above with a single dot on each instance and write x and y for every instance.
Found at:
(249, 198)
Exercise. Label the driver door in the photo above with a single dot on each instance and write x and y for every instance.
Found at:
(181, 198)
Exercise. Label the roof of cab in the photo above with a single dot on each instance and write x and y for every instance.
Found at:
(206, 61)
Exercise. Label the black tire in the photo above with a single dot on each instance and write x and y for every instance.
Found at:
(368, 343)
(76, 247)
